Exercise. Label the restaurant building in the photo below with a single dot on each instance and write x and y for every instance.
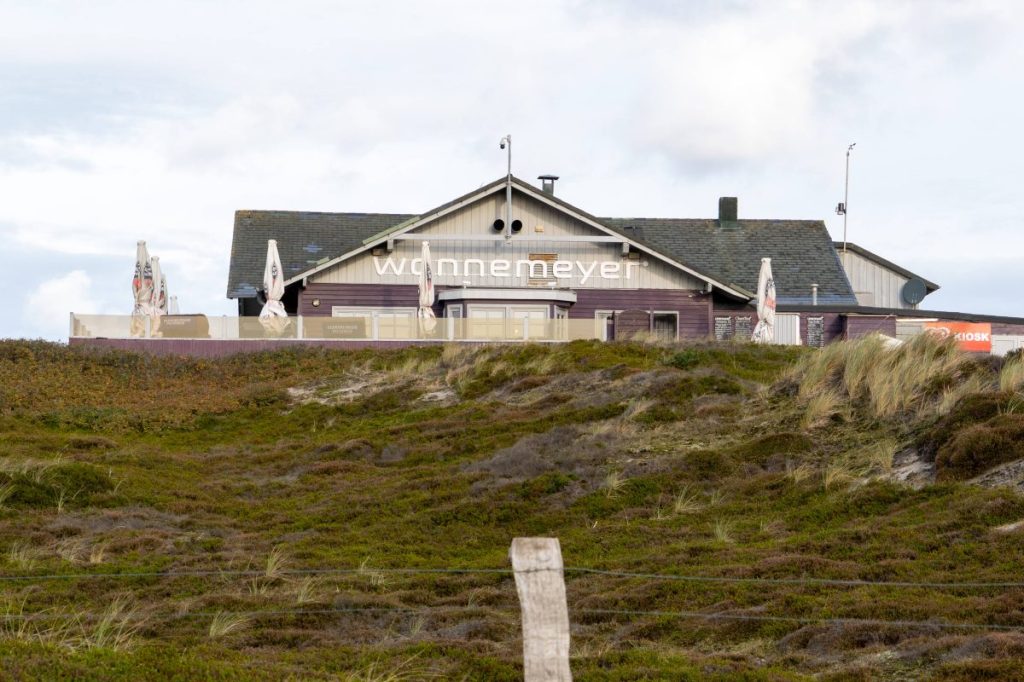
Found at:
(545, 259)
(511, 261)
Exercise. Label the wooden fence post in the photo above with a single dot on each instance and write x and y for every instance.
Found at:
(540, 583)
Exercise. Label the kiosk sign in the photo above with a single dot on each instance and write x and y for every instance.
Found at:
(972, 336)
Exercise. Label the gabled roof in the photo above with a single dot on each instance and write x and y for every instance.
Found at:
(303, 239)
(801, 252)
(871, 256)
(728, 256)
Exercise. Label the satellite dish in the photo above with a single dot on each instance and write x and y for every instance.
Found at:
(914, 291)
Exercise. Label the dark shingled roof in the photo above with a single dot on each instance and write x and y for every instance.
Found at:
(801, 251)
(303, 240)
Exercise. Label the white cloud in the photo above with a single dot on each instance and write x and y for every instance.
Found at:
(654, 109)
(48, 306)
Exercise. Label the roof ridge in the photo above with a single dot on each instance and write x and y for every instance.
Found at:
(339, 213)
(715, 220)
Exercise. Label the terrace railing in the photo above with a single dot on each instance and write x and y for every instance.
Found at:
(383, 328)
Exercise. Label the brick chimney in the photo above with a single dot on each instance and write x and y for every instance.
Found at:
(728, 209)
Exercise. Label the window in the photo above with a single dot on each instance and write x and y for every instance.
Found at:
(665, 325)
(603, 323)
(549, 278)
(454, 326)
(387, 323)
(561, 326)
(486, 323)
(507, 321)
(528, 322)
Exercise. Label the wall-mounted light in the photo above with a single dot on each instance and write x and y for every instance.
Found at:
(316, 302)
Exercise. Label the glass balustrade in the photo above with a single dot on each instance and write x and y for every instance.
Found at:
(354, 328)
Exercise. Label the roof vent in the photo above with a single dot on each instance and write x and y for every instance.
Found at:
(547, 183)
(728, 209)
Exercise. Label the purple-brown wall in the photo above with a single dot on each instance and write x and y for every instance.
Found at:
(863, 325)
(833, 326)
(694, 307)
(1008, 329)
(373, 295)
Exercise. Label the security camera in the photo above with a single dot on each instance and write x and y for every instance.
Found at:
(502, 144)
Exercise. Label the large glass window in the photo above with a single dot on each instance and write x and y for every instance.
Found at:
(507, 321)
(386, 323)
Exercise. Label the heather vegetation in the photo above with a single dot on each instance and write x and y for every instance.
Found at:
(857, 463)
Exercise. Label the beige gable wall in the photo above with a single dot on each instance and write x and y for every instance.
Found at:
(874, 284)
(477, 219)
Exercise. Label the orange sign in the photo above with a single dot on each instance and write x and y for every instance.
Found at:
(972, 336)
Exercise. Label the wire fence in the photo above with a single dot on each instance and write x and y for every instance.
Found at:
(363, 571)
(423, 610)
(825, 582)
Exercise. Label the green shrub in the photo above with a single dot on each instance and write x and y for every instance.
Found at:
(971, 410)
(262, 396)
(785, 443)
(73, 483)
(545, 484)
(978, 448)
(659, 414)
(686, 358)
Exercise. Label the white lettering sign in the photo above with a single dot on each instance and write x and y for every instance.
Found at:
(500, 268)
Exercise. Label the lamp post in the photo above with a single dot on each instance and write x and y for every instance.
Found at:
(507, 141)
(841, 209)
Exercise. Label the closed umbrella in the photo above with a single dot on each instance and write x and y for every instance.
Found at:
(165, 300)
(156, 305)
(426, 311)
(273, 317)
(142, 289)
(764, 331)
(172, 306)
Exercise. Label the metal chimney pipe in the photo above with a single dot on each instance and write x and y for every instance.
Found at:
(547, 183)
(814, 294)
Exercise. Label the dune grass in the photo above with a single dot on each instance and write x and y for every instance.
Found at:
(650, 458)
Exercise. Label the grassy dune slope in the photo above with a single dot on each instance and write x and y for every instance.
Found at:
(706, 460)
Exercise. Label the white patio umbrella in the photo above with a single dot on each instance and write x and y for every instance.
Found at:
(142, 289)
(159, 299)
(164, 299)
(172, 307)
(426, 284)
(764, 331)
(273, 317)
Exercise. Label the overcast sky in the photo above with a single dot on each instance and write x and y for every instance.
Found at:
(143, 120)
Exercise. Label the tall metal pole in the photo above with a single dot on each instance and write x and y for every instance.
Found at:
(846, 193)
(507, 140)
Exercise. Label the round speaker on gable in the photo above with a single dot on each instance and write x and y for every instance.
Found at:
(517, 225)
(499, 225)
(914, 291)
